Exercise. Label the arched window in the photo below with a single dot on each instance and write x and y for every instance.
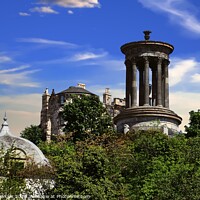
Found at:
(15, 160)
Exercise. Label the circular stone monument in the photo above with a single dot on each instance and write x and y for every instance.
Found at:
(149, 60)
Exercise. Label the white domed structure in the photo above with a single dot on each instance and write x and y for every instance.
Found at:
(24, 149)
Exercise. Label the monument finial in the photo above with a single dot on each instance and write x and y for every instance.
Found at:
(147, 34)
(5, 123)
(5, 117)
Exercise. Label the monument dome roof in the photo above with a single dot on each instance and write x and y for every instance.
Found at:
(7, 140)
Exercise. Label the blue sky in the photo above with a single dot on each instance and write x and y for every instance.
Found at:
(59, 43)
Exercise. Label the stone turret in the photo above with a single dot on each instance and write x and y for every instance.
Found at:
(44, 119)
(107, 97)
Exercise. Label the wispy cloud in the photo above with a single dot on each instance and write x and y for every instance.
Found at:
(70, 12)
(72, 3)
(47, 42)
(4, 59)
(180, 68)
(14, 69)
(177, 10)
(87, 56)
(44, 9)
(99, 59)
(196, 78)
(24, 14)
(17, 77)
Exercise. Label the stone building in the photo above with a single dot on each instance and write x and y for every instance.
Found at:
(51, 120)
(114, 106)
(149, 60)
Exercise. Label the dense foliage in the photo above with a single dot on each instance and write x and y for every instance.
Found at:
(85, 117)
(194, 126)
(83, 170)
(33, 133)
(141, 165)
(137, 165)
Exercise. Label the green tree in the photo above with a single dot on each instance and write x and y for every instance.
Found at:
(160, 167)
(33, 133)
(82, 169)
(137, 165)
(194, 125)
(86, 116)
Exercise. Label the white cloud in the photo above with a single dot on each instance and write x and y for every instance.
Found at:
(179, 69)
(182, 103)
(5, 59)
(87, 56)
(70, 12)
(24, 14)
(47, 42)
(14, 69)
(16, 77)
(196, 78)
(177, 11)
(44, 9)
(72, 3)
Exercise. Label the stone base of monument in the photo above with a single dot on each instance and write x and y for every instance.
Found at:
(148, 117)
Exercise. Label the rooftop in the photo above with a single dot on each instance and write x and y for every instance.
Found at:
(76, 90)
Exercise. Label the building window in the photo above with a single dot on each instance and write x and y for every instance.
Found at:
(15, 161)
(62, 100)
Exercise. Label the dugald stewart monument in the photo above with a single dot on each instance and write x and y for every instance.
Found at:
(147, 92)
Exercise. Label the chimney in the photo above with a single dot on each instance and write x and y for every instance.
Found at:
(81, 85)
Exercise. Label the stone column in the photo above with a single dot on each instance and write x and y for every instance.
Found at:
(134, 85)
(163, 86)
(141, 86)
(166, 80)
(48, 131)
(154, 85)
(146, 82)
(128, 83)
(159, 83)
